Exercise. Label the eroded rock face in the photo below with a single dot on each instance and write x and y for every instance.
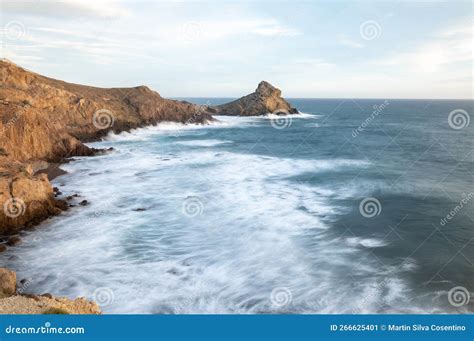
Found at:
(43, 119)
(7, 283)
(25, 199)
(34, 304)
(16, 302)
(266, 99)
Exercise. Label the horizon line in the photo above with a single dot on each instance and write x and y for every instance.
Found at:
(341, 98)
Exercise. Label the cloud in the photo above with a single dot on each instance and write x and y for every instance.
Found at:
(277, 30)
(218, 29)
(99, 9)
(346, 41)
(451, 46)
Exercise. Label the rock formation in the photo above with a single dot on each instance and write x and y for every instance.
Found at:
(265, 100)
(44, 121)
(14, 301)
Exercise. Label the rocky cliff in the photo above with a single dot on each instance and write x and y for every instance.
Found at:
(265, 100)
(44, 121)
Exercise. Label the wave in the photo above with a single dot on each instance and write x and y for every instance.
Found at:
(203, 143)
(203, 230)
(175, 128)
(298, 115)
(365, 242)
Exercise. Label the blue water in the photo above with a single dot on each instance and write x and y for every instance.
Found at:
(264, 215)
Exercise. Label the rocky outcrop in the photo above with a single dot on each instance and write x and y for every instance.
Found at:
(7, 283)
(47, 120)
(26, 198)
(33, 304)
(265, 100)
(44, 121)
(13, 301)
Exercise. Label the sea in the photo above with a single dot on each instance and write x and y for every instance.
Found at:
(352, 206)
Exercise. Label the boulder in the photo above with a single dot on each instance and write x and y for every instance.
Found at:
(7, 282)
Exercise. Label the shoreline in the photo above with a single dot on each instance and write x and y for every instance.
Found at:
(39, 135)
(45, 123)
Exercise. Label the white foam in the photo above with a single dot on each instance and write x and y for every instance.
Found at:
(365, 242)
(203, 143)
(256, 229)
(272, 116)
(312, 125)
(176, 128)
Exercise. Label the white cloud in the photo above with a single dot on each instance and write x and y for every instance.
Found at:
(277, 30)
(66, 8)
(217, 29)
(346, 41)
(449, 47)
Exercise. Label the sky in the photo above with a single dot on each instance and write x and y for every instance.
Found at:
(316, 49)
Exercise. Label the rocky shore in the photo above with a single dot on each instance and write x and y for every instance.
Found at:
(13, 300)
(266, 99)
(45, 122)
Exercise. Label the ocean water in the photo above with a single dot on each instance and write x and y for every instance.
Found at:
(342, 209)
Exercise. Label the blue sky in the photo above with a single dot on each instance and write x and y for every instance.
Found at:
(355, 49)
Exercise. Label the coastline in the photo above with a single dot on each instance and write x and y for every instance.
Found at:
(45, 123)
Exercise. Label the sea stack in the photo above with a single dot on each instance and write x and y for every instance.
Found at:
(265, 100)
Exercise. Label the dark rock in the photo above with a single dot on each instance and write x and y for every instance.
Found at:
(84, 203)
(34, 297)
(140, 209)
(3, 248)
(13, 241)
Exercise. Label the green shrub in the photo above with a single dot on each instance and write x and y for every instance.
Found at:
(55, 311)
